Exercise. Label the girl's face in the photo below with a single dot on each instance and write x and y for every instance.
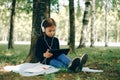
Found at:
(50, 31)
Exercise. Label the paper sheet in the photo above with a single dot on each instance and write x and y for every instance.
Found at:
(32, 69)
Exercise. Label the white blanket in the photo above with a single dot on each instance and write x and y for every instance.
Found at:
(33, 69)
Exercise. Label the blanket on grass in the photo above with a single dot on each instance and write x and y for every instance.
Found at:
(33, 69)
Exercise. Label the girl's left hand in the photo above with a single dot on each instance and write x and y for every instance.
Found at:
(47, 54)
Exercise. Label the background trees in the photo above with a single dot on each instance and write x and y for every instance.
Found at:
(60, 12)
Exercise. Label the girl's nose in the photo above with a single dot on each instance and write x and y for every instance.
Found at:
(53, 33)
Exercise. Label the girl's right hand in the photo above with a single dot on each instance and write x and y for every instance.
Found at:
(47, 54)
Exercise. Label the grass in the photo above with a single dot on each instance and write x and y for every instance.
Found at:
(105, 58)
(13, 56)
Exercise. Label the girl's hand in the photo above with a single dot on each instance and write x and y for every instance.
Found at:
(47, 54)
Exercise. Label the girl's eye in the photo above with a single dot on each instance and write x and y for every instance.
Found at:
(52, 31)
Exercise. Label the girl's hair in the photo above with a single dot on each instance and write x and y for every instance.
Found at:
(48, 22)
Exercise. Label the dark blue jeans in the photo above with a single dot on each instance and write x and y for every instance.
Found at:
(61, 61)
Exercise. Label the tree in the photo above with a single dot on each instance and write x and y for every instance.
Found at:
(106, 23)
(41, 11)
(10, 43)
(85, 24)
(92, 23)
(72, 26)
(78, 13)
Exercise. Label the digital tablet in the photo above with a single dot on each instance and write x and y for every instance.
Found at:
(57, 52)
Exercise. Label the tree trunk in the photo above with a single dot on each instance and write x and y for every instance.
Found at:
(117, 33)
(85, 24)
(72, 26)
(92, 23)
(41, 11)
(10, 42)
(106, 23)
(78, 13)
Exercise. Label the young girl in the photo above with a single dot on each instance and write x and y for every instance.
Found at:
(47, 41)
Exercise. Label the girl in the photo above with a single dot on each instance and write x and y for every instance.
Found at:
(47, 41)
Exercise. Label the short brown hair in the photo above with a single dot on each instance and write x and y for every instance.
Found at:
(48, 22)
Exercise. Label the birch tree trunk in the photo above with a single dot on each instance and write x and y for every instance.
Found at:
(92, 23)
(118, 34)
(85, 24)
(106, 23)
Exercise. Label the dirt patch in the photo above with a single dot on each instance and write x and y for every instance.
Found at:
(15, 76)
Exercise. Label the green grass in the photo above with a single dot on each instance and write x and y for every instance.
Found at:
(105, 58)
(13, 56)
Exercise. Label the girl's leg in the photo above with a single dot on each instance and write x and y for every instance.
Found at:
(64, 59)
(58, 64)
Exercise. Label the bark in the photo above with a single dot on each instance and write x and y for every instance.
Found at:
(85, 24)
(10, 42)
(41, 11)
(106, 23)
(92, 23)
(117, 34)
(72, 26)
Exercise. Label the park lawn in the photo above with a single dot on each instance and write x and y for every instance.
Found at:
(104, 58)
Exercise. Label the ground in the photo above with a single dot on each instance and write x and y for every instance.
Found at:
(104, 58)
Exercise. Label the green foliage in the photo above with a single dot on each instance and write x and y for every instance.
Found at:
(99, 4)
(55, 5)
(29, 1)
(53, 2)
(24, 6)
